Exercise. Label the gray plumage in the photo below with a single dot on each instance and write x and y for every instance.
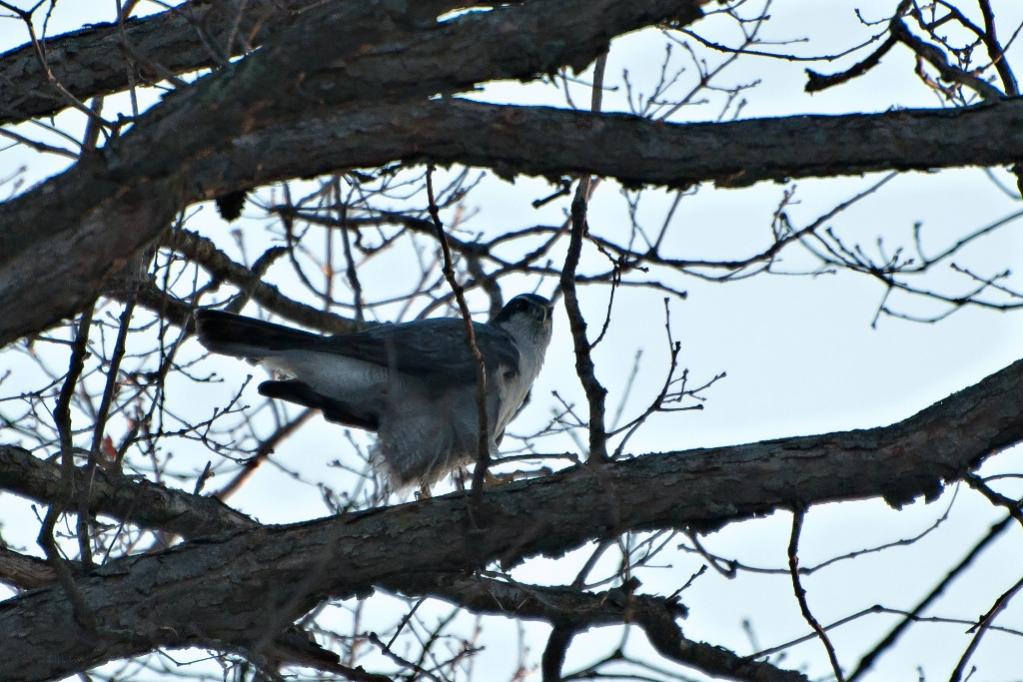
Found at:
(414, 384)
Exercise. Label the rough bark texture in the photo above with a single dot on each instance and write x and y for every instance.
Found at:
(232, 590)
(554, 142)
(135, 500)
(193, 35)
(59, 242)
(508, 139)
(91, 62)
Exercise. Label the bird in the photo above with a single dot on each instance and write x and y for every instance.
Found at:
(411, 383)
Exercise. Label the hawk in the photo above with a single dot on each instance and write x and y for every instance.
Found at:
(413, 384)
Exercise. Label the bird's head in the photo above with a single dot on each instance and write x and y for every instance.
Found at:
(527, 317)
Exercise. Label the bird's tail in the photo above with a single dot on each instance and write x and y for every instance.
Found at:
(247, 337)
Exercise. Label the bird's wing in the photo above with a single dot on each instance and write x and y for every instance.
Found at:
(428, 347)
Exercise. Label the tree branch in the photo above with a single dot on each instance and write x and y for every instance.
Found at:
(535, 140)
(553, 142)
(203, 251)
(224, 590)
(584, 368)
(577, 611)
(133, 500)
(28, 572)
(62, 240)
(800, 592)
(91, 62)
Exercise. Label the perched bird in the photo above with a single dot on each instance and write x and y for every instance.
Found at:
(414, 384)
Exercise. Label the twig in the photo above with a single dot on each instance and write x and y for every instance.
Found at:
(483, 444)
(734, 566)
(797, 587)
(595, 392)
(995, 51)
(262, 453)
(934, 56)
(871, 610)
(982, 626)
(868, 660)
(38, 146)
(816, 81)
(350, 270)
(62, 418)
(994, 497)
(100, 426)
(403, 662)
(598, 551)
(404, 621)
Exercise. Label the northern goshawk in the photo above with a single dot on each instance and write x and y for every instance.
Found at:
(414, 383)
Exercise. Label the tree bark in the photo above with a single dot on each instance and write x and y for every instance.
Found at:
(110, 57)
(105, 58)
(48, 274)
(132, 500)
(552, 142)
(236, 589)
(61, 241)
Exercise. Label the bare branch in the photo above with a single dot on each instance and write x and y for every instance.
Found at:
(483, 438)
(149, 168)
(982, 626)
(892, 462)
(147, 504)
(800, 592)
(868, 660)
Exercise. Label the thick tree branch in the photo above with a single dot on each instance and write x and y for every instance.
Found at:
(96, 60)
(508, 139)
(225, 590)
(578, 611)
(553, 142)
(563, 605)
(93, 61)
(129, 499)
(61, 241)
